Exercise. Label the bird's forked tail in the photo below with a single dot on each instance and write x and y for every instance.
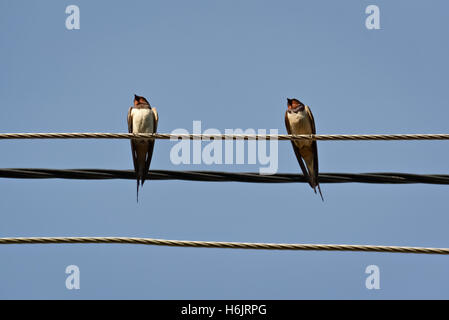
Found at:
(137, 190)
(319, 190)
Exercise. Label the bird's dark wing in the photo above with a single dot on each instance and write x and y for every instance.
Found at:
(296, 149)
(130, 130)
(151, 143)
(315, 151)
(314, 145)
(155, 118)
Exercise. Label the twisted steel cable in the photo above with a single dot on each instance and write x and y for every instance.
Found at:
(396, 178)
(322, 137)
(229, 245)
(217, 176)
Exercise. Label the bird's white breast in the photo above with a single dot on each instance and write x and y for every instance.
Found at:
(143, 121)
(300, 124)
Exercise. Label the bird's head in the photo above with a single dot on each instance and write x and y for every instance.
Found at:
(140, 100)
(293, 104)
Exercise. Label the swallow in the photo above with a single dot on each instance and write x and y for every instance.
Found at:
(299, 120)
(142, 118)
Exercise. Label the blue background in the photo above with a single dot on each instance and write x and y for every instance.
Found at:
(230, 64)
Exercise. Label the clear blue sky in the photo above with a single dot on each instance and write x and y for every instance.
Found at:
(230, 64)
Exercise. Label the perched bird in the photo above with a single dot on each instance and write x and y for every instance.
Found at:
(299, 120)
(142, 118)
